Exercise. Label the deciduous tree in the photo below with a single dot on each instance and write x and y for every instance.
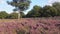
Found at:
(20, 5)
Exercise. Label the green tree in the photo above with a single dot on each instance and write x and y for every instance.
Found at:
(20, 5)
(13, 16)
(35, 12)
(49, 11)
(22, 14)
(3, 14)
(57, 6)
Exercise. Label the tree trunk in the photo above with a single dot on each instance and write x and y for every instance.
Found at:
(19, 15)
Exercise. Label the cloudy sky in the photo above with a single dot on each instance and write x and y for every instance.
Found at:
(5, 7)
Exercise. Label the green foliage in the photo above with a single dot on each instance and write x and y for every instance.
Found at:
(3, 15)
(14, 15)
(22, 15)
(20, 32)
(49, 11)
(46, 11)
(20, 5)
(57, 6)
(35, 12)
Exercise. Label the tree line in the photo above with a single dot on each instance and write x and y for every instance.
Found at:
(13, 15)
(46, 11)
(37, 11)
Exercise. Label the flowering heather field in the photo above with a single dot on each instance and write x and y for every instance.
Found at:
(30, 26)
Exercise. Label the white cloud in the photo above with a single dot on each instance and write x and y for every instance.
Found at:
(1, 1)
(52, 1)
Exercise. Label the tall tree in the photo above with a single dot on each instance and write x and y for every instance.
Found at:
(57, 6)
(49, 11)
(35, 12)
(20, 5)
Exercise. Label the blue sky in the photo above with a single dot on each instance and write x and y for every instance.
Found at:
(5, 7)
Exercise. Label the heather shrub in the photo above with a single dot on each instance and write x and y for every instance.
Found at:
(20, 32)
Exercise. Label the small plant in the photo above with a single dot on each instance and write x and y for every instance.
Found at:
(20, 32)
